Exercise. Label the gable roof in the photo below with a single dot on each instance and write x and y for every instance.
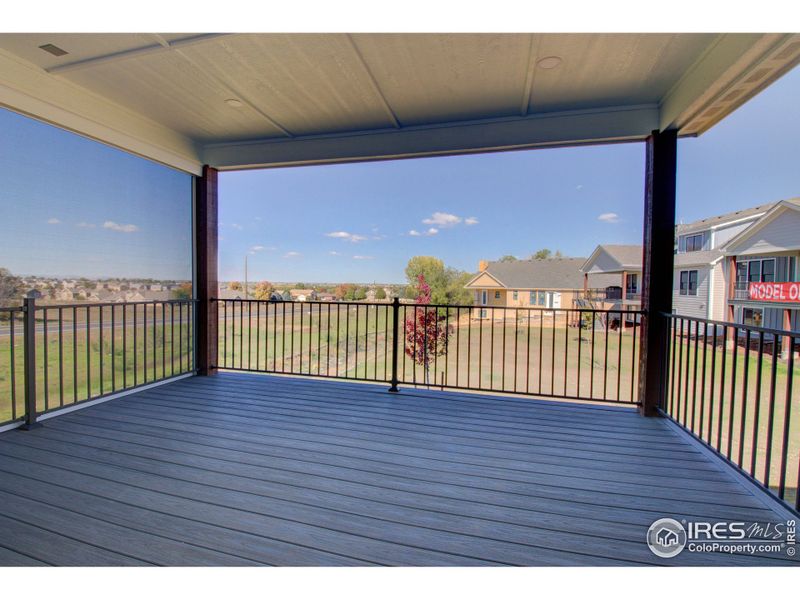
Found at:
(768, 217)
(548, 273)
(719, 220)
(625, 256)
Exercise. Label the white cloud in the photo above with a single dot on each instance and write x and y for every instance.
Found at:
(292, 254)
(471, 221)
(53, 221)
(122, 227)
(344, 235)
(236, 226)
(442, 219)
(334, 253)
(428, 232)
(255, 249)
(360, 257)
(609, 217)
(85, 225)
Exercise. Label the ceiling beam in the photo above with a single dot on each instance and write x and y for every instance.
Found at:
(161, 46)
(627, 123)
(27, 89)
(733, 69)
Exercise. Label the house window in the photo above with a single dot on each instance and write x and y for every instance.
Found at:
(753, 316)
(516, 295)
(483, 313)
(484, 297)
(541, 298)
(755, 271)
(694, 243)
(768, 270)
(631, 283)
(532, 298)
(688, 283)
(497, 295)
(741, 275)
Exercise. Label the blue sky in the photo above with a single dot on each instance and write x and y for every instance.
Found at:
(569, 199)
(72, 207)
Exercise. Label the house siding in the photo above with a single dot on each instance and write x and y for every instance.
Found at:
(779, 235)
(719, 293)
(691, 306)
(725, 234)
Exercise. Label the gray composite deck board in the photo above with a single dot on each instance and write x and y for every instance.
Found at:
(243, 469)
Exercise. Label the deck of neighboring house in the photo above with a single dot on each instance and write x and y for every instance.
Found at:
(243, 469)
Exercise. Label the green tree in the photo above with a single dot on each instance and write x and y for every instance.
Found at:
(446, 283)
(183, 291)
(456, 293)
(508, 258)
(10, 287)
(380, 294)
(541, 254)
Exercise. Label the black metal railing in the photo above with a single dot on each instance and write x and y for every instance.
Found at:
(12, 365)
(734, 387)
(568, 353)
(55, 356)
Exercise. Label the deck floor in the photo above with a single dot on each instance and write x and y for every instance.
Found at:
(244, 469)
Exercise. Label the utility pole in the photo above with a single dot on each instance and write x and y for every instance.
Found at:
(245, 276)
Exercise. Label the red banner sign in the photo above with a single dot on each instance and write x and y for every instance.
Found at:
(775, 292)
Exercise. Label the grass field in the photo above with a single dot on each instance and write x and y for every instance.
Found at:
(86, 362)
(538, 356)
(740, 413)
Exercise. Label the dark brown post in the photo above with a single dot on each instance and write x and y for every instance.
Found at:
(657, 267)
(206, 264)
(29, 363)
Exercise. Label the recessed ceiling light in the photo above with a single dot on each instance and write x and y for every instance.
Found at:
(234, 103)
(549, 62)
(53, 49)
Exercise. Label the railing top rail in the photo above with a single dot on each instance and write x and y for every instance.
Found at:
(414, 304)
(755, 328)
(102, 304)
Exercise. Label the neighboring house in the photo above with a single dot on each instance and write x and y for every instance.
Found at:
(303, 295)
(761, 270)
(64, 295)
(326, 297)
(698, 286)
(547, 283)
(622, 263)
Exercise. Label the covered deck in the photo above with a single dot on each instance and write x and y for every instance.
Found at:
(247, 469)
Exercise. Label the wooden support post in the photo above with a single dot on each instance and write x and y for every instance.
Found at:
(206, 235)
(657, 268)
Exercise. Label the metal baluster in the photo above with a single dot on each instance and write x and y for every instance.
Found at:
(787, 419)
(757, 408)
(46, 365)
(60, 357)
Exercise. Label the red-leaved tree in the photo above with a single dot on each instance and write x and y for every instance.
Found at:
(426, 331)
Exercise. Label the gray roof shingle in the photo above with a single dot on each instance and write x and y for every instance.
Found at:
(703, 224)
(549, 273)
(703, 257)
